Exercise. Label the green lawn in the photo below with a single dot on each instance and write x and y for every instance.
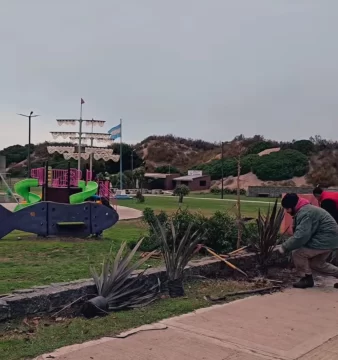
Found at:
(20, 340)
(31, 261)
(205, 206)
(229, 197)
(26, 261)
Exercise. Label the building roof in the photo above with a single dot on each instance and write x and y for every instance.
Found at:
(156, 175)
(189, 177)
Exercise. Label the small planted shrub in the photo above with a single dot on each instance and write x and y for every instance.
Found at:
(268, 234)
(177, 251)
(139, 197)
(221, 232)
(151, 242)
(116, 289)
(149, 216)
(221, 228)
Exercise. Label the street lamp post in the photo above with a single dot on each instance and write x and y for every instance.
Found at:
(222, 187)
(132, 167)
(29, 140)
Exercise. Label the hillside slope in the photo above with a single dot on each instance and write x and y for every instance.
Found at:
(262, 161)
(183, 155)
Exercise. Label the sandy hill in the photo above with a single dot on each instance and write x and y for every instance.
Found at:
(251, 179)
(179, 152)
(321, 156)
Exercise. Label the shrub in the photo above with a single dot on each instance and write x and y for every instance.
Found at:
(115, 286)
(167, 169)
(267, 237)
(150, 218)
(306, 147)
(181, 191)
(281, 165)
(214, 168)
(150, 242)
(221, 232)
(260, 146)
(227, 191)
(248, 163)
(221, 229)
(178, 248)
(139, 197)
(215, 190)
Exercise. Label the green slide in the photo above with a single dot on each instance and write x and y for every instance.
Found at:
(87, 191)
(22, 188)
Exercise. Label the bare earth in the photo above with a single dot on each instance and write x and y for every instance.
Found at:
(251, 179)
(294, 324)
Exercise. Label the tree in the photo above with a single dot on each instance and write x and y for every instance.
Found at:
(238, 150)
(181, 191)
(139, 176)
(324, 169)
(258, 147)
(127, 154)
(167, 169)
(306, 147)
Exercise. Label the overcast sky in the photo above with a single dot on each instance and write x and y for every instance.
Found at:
(207, 69)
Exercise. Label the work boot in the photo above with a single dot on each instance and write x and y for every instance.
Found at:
(335, 285)
(304, 283)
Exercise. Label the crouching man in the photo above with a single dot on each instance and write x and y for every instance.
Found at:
(315, 236)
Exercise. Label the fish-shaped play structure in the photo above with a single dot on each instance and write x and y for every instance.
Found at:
(57, 219)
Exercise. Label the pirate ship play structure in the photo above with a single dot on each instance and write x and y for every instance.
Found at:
(62, 209)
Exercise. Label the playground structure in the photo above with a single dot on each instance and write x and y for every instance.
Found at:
(56, 219)
(61, 186)
(64, 208)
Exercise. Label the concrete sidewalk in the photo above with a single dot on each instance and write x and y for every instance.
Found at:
(294, 324)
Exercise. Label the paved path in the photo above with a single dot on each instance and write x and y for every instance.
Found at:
(124, 212)
(295, 324)
(127, 213)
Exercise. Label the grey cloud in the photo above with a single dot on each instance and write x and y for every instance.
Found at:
(195, 68)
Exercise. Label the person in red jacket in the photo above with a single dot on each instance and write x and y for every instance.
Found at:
(327, 200)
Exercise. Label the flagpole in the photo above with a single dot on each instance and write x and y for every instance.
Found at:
(121, 185)
(80, 136)
(91, 154)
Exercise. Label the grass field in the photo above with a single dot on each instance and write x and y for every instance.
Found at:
(208, 195)
(206, 206)
(31, 261)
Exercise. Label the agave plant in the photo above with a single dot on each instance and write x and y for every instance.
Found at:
(177, 252)
(116, 287)
(268, 234)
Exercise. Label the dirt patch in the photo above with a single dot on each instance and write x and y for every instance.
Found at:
(251, 179)
(268, 151)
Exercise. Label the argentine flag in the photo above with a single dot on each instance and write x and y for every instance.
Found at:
(115, 132)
